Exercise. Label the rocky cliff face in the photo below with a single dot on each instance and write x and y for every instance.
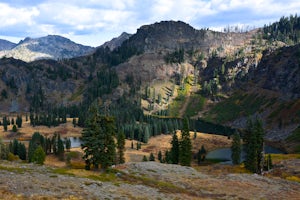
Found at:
(279, 71)
(170, 35)
(49, 47)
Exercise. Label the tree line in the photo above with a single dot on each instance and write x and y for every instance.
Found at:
(39, 146)
(287, 30)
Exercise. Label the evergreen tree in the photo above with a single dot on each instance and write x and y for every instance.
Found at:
(201, 154)
(151, 157)
(60, 148)
(185, 152)
(39, 156)
(159, 98)
(48, 146)
(145, 158)
(138, 146)
(236, 149)
(36, 140)
(146, 134)
(98, 140)
(254, 146)
(19, 121)
(74, 122)
(121, 147)
(15, 146)
(5, 123)
(175, 149)
(31, 149)
(168, 158)
(14, 128)
(22, 151)
(68, 144)
(159, 156)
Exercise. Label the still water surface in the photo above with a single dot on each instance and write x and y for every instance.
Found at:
(225, 153)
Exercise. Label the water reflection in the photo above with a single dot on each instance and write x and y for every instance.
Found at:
(225, 153)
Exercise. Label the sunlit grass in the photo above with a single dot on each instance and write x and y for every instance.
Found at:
(293, 178)
(276, 158)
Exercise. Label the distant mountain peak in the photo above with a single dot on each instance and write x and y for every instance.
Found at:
(6, 45)
(50, 47)
(117, 41)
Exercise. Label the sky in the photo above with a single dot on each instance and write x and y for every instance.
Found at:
(92, 22)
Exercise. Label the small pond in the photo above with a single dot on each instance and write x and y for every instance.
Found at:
(225, 153)
(75, 142)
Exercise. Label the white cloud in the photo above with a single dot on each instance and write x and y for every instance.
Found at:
(96, 20)
(10, 16)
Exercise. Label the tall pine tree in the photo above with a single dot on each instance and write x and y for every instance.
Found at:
(236, 149)
(60, 148)
(98, 141)
(254, 146)
(121, 147)
(174, 153)
(185, 152)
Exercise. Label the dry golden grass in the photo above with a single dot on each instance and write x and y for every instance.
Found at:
(25, 133)
(210, 141)
(52, 160)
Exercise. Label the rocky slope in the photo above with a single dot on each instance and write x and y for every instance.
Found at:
(21, 81)
(171, 35)
(147, 180)
(279, 71)
(49, 47)
(265, 86)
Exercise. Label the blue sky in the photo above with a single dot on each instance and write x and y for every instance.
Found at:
(92, 22)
